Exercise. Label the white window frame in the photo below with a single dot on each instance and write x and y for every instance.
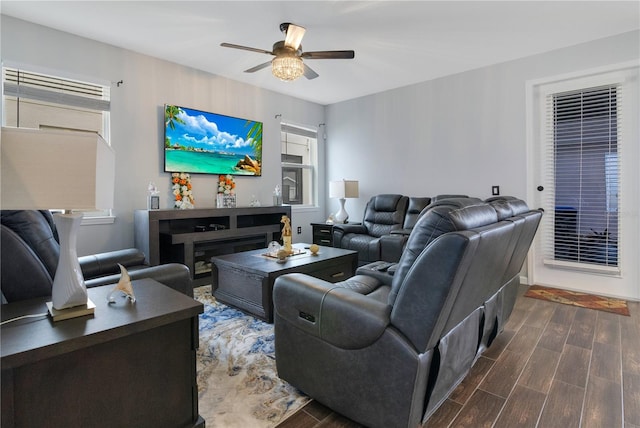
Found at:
(89, 218)
(312, 167)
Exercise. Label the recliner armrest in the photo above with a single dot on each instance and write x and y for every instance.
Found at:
(380, 270)
(406, 232)
(392, 246)
(101, 264)
(173, 275)
(339, 230)
(350, 228)
(335, 314)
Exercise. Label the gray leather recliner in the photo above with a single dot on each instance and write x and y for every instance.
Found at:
(29, 258)
(387, 353)
(382, 214)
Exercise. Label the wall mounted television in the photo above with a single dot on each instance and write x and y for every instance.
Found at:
(199, 142)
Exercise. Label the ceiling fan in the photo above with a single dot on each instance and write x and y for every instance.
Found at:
(287, 64)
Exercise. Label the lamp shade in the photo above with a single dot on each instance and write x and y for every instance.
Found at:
(343, 189)
(43, 169)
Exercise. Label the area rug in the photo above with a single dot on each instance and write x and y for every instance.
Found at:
(582, 300)
(237, 381)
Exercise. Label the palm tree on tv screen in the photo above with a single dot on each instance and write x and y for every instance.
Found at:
(255, 136)
(170, 119)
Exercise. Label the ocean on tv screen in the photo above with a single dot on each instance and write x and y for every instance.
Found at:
(203, 162)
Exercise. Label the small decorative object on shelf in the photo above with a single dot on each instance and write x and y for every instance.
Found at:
(314, 248)
(153, 199)
(182, 190)
(226, 197)
(286, 234)
(124, 286)
(254, 201)
(277, 196)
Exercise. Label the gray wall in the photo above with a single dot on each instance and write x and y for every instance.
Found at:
(458, 134)
(137, 121)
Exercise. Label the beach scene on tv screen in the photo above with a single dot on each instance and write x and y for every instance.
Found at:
(209, 143)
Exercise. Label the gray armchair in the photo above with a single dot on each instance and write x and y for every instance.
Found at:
(30, 252)
(382, 214)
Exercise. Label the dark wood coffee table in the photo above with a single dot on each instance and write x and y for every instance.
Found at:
(245, 280)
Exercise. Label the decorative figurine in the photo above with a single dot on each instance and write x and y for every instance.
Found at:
(277, 196)
(254, 201)
(286, 234)
(314, 248)
(124, 286)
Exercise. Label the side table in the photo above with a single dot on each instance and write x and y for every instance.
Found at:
(323, 233)
(128, 365)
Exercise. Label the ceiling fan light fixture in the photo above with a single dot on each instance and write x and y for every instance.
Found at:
(287, 68)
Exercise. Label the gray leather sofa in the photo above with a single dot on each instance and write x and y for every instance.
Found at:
(29, 258)
(386, 350)
(387, 223)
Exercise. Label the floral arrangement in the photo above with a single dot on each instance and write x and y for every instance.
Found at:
(182, 190)
(226, 197)
(226, 185)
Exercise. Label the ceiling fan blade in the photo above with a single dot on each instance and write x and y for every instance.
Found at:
(245, 48)
(309, 73)
(328, 55)
(294, 36)
(258, 67)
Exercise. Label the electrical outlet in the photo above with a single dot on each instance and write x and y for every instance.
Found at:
(495, 190)
(299, 230)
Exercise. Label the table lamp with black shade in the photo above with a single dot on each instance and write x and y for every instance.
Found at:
(53, 169)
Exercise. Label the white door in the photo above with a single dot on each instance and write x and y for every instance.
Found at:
(584, 163)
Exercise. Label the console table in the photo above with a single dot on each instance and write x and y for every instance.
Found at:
(192, 237)
(125, 366)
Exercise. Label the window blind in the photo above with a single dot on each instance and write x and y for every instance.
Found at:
(582, 135)
(40, 87)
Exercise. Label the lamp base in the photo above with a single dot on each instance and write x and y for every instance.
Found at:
(75, 312)
(341, 216)
(68, 289)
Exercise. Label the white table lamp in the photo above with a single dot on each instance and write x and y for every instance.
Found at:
(343, 189)
(45, 169)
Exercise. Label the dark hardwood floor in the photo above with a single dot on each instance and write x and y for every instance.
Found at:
(553, 366)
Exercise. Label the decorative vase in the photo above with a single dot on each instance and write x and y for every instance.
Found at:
(68, 288)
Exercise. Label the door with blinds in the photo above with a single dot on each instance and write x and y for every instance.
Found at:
(586, 179)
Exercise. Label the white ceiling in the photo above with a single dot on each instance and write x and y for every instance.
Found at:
(396, 43)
